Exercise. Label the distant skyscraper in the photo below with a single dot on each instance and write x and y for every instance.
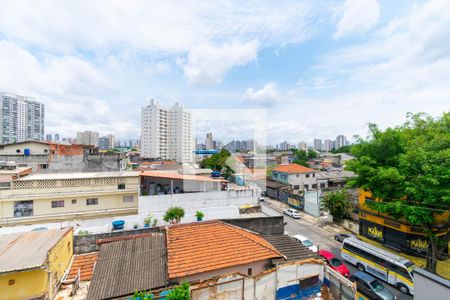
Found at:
(209, 141)
(166, 133)
(48, 137)
(341, 141)
(22, 119)
(87, 138)
(284, 146)
(103, 143)
(318, 144)
(56, 137)
(327, 145)
(303, 146)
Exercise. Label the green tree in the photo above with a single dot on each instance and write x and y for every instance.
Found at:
(343, 149)
(174, 214)
(300, 157)
(337, 203)
(181, 292)
(312, 154)
(408, 169)
(219, 162)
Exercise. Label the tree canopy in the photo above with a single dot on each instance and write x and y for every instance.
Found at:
(218, 162)
(301, 157)
(174, 214)
(407, 167)
(337, 203)
(343, 149)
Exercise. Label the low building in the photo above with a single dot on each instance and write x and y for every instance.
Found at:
(68, 196)
(33, 263)
(295, 175)
(44, 157)
(397, 233)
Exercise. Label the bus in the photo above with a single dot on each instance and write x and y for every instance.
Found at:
(393, 269)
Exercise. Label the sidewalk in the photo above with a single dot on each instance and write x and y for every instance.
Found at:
(330, 228)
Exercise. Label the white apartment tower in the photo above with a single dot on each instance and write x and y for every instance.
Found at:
(88, 137)
(209, 141)
(22, 119)
(341, 141)
(166, 133)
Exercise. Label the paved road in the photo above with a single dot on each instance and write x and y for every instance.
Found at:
(317, 235)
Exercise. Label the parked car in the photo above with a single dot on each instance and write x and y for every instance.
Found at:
(305, 242)
(371, 287)
(262, 199)
(335, 263)
(341, 236)
(292, 213)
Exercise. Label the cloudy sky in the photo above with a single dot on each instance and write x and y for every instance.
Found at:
(318, 68)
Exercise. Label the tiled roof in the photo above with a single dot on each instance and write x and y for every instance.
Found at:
(200, 247)
(293, 168)
(290, 247)
(84, 262)
(128, 265)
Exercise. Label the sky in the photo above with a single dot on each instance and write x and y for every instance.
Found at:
(316, 68)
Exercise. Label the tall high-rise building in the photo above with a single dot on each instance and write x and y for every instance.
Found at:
(327, 145)
(318, 144)
(341, 141)
(103, 143)
(87, 137)
(48, 137)
(209, 141)
(166, 133)
(303, 146)
(56, 137)
(111, 140)
(22, 119)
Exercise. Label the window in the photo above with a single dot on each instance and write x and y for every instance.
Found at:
(18, 151)
(11, 282)
(92, 201)
(306, 186)
(322, 185)
(309, 282)
(121, 186)
(296, 187)
(43, 166)
(249, 271)
(127, 199)
(298, 175)
(307, 175)
(23, 208)
(313, 174)
(58, 203)
(74, 201)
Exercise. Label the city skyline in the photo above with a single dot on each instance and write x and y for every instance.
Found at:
(315, 69)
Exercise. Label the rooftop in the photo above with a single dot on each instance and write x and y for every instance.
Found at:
(85, 263)
(83, 175)
(127, 265)
(29, 250)
(200, 247)
(290, 247)
(293, 168)
(173, 175)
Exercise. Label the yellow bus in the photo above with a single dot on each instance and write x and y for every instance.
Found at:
(393, 269)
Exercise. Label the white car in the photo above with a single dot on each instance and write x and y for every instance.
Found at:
(292, 213)
(305, 242)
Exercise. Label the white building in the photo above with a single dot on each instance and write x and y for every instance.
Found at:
(22, 119)
(318, 144)
(87, 138)
(209, 141)
(341, 141)
(166, 133)
(303, 146)
(327, 145)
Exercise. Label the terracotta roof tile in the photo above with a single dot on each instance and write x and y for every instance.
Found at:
(200, 247)
(293, 168)
(84, 262)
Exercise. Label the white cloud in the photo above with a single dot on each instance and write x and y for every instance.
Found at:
(207, 64)
(357, 16)
(266, 96)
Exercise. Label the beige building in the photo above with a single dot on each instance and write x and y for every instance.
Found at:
(54, 197)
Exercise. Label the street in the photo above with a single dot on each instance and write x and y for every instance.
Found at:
(317, 235)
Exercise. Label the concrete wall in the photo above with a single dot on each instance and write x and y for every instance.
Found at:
(262, 225)
(430, 286)
(87, 243)
(27, 285)
(262, 286)
(160, 203)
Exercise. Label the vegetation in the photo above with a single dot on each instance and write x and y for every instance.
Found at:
(337, 203)
(218, 162)
(142, 295)
(301, 157)
(408, 169)
(199, 214)
(174, 215)
(181, 292)
(147, 220)
(343, 149)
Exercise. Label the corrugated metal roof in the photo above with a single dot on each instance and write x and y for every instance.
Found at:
(128, 265)
(289, 247)
(27, 250)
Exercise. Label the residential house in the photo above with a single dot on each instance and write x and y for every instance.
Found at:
(296, 176)
(50, 197)
(33, 263)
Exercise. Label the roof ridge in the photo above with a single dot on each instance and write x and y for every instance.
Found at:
(237, 229)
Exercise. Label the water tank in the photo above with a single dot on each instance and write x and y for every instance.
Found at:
(26, 152)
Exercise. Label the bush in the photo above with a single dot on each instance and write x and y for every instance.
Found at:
(174, 214)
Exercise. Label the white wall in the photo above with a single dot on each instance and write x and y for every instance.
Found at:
(160, 203)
